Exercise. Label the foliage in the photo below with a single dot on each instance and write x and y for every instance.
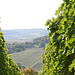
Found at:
(27, 71)
(7, 65)
(59, 58)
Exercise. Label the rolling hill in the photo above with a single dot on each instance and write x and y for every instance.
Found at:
(24, 34)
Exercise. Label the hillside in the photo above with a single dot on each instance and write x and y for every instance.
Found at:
(40, 42)
(23, 34)
(29, 58)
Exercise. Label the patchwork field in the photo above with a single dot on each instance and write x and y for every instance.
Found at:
(29, 58)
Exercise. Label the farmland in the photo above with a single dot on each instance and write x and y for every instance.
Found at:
(23, 34)
(19, 44)
(29, 58)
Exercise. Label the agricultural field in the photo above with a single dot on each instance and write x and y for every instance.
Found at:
(24, 34)
(29, 58)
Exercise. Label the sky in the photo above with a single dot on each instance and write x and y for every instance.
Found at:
(27, 14)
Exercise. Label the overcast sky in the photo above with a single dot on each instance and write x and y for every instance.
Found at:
(27, 14)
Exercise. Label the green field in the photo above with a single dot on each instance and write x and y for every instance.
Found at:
(29, 58)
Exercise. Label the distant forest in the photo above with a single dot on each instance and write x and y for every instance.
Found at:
(40, 42)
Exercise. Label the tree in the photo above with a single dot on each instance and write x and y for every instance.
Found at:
(7, 65)
(29, 45)
(41, 45)
(59, 58)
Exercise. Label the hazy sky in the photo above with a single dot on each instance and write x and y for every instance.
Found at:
(26, 14)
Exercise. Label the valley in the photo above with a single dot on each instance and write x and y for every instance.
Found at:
(26, 46)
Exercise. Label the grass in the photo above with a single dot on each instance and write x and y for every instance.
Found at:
(29, 58)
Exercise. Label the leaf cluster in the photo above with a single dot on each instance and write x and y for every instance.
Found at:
(7, 65)
(59, 58)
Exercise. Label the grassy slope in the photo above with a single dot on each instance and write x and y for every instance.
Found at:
(29, 58)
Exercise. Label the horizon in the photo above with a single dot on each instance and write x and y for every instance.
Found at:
(25, 29)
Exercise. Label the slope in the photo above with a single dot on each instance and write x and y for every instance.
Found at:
(29, 58)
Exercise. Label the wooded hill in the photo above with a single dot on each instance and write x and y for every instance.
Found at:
(17, 47)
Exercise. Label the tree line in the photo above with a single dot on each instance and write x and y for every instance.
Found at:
(17, 47)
